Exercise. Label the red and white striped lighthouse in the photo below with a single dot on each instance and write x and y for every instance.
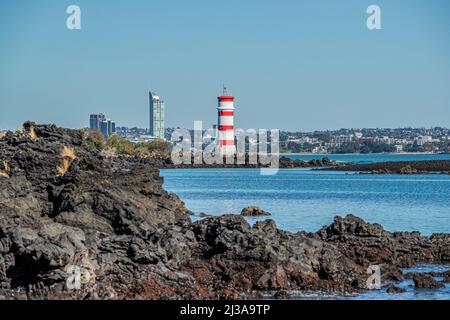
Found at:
(225, 124)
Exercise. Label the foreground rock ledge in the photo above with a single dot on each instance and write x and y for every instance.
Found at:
(110, 220)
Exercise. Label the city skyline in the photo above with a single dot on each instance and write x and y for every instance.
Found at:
(296, 66)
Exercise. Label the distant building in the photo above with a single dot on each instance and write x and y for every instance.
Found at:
(143, 139)
(157, 118)
(421, 140)
(95, 120)
(104, 128)
(111, 127)
(99, 122)
(107, 127)
(131, 133)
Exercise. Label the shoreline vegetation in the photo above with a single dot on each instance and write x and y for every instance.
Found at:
(65, 206)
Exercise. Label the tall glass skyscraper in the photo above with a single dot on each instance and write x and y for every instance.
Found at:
(156, 125)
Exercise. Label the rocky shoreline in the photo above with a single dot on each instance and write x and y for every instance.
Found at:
(398, 167)
(165, 162)
(64, 207)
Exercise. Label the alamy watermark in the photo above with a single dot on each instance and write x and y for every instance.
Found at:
(374, 20)
(73, 21)
(76, 275)
(374, 280)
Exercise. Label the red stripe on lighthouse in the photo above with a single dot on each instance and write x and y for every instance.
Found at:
(226, 128)
(226, 99)
(226, 113)
(226, 142)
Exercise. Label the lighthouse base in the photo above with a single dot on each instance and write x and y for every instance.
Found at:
(227, 150)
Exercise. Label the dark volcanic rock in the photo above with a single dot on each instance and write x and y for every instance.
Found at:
(95, 216)
(204, 215)
(403, 170)
(163, 161)
(425, 281)
(370, 244)
(107, 222)
(254, 211)
(394, 289)
(286, 162)
(439, 274)
(246, 258)
(397, 167)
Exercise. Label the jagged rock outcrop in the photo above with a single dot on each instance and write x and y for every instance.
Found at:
(370, 244)
(403, 170)
(254, 211)
(89, 217)
(286, 162)
(397, 167)
(425, 281)
(394, 289)
(78, 225)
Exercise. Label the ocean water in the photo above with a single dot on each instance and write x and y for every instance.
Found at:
(303, 199)
(411, 293)
(372, 158)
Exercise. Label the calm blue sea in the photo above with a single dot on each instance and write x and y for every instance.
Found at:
(371, 158)
(302, 199)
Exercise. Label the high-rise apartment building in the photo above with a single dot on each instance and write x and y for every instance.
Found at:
(157, 118)
(107, 127)
(95, 120)
(99, 122)
(104, 128)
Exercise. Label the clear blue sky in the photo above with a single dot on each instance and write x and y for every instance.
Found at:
(299, 65)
